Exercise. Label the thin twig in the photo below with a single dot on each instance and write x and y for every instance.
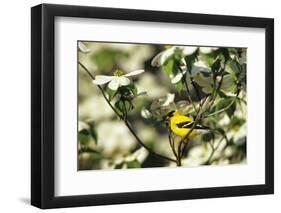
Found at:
(179, 155)
(195, 89)
(184, 148)
(172, 144)
(215, 91)
(221, 110)
(187, 89)
(214, 149)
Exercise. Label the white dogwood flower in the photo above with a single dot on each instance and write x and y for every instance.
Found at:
(117, 80)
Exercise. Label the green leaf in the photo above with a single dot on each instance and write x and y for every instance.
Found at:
(208, 136)
(230, 111)
(190, 59)
(216, 65)
(133, 89)
(124, 106)
(111, 93)
(128, 92)
(84, 138)
(94, 134)
(178, 55)
(168, 67)
(133, 164)
(119, 166)
(179, 86)
(222, 94)
(221, 131)
(223, 103)
(234, 69)
(228, 84)
(225, 53)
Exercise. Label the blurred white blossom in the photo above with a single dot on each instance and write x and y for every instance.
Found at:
(114, 138)
(90, 109)
(148, 82)
(207, 50)
(199, 66)
(145, 113)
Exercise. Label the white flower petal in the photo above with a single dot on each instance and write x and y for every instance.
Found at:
(102, 79)
(207, 50)
(169, 99)
(82, 125)
(145, 113)
(133, 73)
(162, 57)
(188, 50)
(199, 66)
(123, 81)
(178, 77)
(114, 84)
(156, 60)
(82, 47)
(141, 154)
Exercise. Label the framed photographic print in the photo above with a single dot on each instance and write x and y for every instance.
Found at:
(140, 106)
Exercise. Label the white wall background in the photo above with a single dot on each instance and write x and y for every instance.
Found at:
(15, 105)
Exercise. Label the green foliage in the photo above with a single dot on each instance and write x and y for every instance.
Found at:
(124, 106)
(224, 103)
(85, 135)
(111, 93)
(236, 122)
(128, 164)
(128, 92)
(171, 69)
(231, 109)
(106, 59)
(168, 67)
(216, 65)
(133, 164)
(179, 86)
(119, 165)
(207, 137)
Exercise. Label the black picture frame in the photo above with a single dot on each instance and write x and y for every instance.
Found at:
(43, 102)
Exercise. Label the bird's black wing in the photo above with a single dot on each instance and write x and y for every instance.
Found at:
(189, 125)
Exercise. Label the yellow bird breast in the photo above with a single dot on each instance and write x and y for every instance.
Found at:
(180, 131)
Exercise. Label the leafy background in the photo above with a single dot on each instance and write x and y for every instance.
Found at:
(104, 142)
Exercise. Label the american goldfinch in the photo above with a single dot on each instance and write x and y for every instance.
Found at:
(180, 124)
